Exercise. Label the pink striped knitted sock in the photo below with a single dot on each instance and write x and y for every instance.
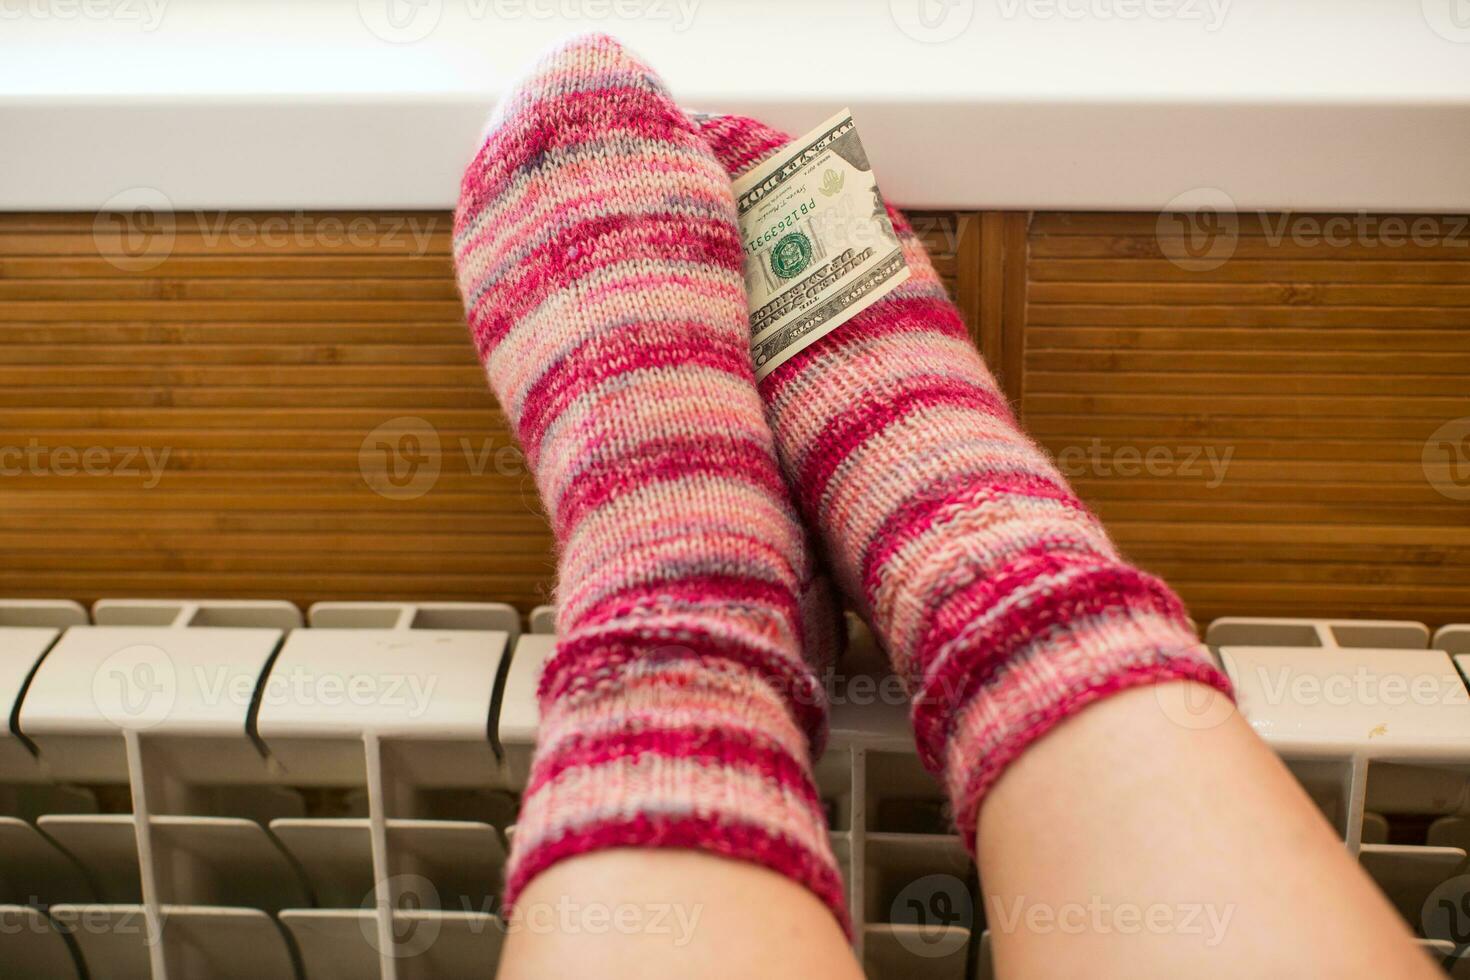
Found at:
(996, 592)
(597, 254)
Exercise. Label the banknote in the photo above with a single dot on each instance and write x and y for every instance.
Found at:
(819, 247)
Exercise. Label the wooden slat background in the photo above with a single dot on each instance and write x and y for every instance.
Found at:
(1322, 368)
(276, 358)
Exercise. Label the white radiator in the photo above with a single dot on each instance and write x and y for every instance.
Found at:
(217, 789)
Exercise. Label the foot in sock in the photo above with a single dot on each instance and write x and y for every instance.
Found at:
(597, 254)
(998, 595)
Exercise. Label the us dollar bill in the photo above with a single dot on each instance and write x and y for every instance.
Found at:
(819, 247)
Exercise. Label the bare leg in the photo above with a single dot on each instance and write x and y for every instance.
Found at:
(1121, 809)
(683, 914)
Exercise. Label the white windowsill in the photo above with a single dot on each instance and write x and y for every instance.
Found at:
(1300, 104)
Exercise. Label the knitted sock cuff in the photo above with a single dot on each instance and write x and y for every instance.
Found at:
(675, 750)
(993, 713)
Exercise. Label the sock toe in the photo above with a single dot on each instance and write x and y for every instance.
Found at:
(739, 142)
(589, 87)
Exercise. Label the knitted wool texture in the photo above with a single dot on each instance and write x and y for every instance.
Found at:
(997, 594)
(598, 258)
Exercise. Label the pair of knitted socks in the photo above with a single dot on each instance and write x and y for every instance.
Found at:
(601, 267)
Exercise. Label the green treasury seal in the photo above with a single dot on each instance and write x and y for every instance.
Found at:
(791, 255)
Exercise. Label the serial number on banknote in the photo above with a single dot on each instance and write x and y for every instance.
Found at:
(769, 234)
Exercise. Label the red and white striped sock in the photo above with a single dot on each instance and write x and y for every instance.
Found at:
(598, 257)
(998, 595)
